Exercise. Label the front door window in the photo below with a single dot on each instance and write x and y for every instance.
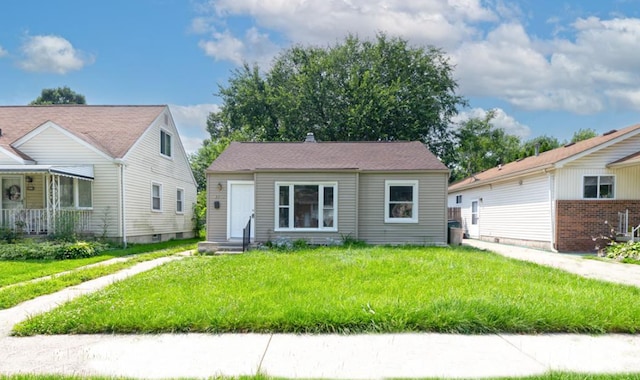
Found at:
(12, 193)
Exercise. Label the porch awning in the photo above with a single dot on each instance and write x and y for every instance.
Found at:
(82, 172)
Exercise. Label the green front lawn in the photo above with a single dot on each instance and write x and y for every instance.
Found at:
(371, 289)
(14, 272)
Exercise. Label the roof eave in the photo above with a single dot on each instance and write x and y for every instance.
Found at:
(480, 182)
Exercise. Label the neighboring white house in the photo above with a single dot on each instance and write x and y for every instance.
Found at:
(378, 192)
(115, 171)
(560, 199)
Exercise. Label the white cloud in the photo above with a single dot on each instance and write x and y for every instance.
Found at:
(3, 52)
(500, 120)
(191, 122)
(587, 66)
(52, 54)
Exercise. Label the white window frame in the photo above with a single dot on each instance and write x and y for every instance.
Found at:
(164, 132)
(598, 176)
(320, 228)
(414, 203)
(459, 199)
(159, 185)
(76, 194)
(179, 200)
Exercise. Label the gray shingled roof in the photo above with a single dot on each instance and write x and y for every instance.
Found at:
(111, 129)
(365, 156)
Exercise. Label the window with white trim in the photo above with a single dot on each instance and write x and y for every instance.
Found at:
(179, 200)
(75, 193)
(458, 199)
(156, 197)
(306, 206)
(165, 143)
(401, 201)
(598, 187)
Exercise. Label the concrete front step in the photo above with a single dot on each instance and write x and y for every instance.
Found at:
(217, 248)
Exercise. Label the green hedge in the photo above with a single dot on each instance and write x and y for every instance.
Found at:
(50, 250)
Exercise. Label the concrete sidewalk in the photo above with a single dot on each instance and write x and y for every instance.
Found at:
(304, 356)
(627, 274)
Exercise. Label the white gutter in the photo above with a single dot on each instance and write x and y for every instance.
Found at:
(120, 162)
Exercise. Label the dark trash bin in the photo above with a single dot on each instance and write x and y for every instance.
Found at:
(455, 232)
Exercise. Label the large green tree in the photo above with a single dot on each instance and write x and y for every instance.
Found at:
(383, 89)
(59, 95)
(583, 134)
(541, 144)
(481, 146)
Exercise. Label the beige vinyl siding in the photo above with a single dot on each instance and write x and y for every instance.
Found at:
(265, 206)
(432, 210)
(217, 218)
(627, 182)
(69, 151)
(146, 166)
(34, 192)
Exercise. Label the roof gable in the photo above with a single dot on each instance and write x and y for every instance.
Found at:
(310, 156)
(550, 159)
(109, 129)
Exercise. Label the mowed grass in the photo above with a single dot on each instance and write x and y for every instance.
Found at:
(548, 376)
(13, 272)
(341, 290)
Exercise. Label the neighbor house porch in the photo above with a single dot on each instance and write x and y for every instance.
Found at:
(41, 199)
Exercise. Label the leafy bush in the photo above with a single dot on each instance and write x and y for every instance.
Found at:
(200, 214)
(9, 235)
(50, 250)
(622, 251)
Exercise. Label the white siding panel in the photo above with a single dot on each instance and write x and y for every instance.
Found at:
(569, 181)
(51, 147)
(510, 209)
(628, 182)
(608, 155)
(145, 165)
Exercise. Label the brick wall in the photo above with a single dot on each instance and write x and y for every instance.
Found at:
(578, 222)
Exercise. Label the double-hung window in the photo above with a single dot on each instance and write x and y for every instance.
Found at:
(165, 143)
(156, 197)
(179, 200)
(401, 201)
(306, 206)
(598, 187)
(75, 193)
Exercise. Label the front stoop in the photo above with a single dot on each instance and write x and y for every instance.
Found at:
(220, 248)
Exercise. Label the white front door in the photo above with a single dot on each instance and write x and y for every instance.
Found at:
(474, 220)
(240, 206)
(12, 196)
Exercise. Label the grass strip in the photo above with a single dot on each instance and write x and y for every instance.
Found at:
(14, 272)
(13, 295)
(339, 290)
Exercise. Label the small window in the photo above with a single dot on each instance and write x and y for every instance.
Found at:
(598, 187)
(401, 202)
(75, 193)
(156, 197)
(84, 194)
(165, 143)
(458, 199)
(180, 200)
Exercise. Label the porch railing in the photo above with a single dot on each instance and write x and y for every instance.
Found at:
(624, 231)
(246, 236)
(36, 222)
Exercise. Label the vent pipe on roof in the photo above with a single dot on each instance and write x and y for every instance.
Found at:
(0, 132)
(310, 138)
(537, 149)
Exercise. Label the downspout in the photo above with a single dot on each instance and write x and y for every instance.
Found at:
(357, 205)
(552, 215)
(123, 218)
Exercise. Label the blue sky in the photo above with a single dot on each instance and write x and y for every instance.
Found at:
(548, 67)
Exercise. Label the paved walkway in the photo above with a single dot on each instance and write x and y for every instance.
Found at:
(309, 356)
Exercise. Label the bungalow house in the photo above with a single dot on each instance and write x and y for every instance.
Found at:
(378, 192)
(556, 200)
(118, 172)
